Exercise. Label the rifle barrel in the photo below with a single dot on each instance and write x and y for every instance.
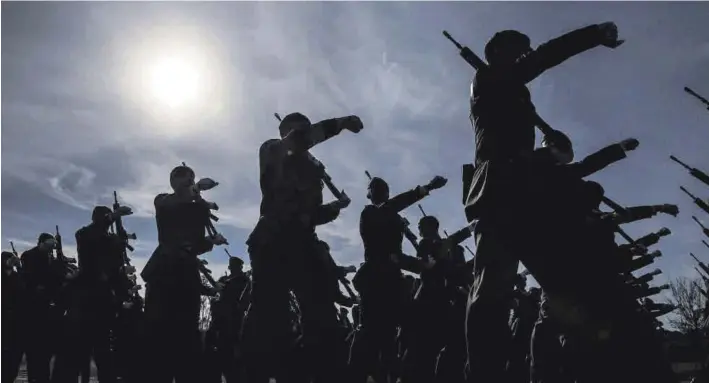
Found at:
(696, 95)
(687, 192)
(422, 212)
(675, 159)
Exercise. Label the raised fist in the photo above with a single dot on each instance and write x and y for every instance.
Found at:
(352, 123)
(672, 210)
(206, 184)
(436, 183)
(663, 232)
(610, 35)
(629, 144)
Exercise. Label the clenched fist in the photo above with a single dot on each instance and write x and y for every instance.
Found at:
(352, 123)
(610, 35)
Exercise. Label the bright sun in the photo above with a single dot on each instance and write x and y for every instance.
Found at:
(174, 82)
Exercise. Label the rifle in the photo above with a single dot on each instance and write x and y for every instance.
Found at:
(477, 63)
(59, 249)
(120, 231)
(704, 229)
(696, 173)
(702, 265)
(14, 253)
(703, 205)
(705, 243)
(697, 96)
(405, 223)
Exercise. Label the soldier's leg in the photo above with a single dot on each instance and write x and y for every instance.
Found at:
(318, 314)
(546, 355)
(101, 334)
(12, 350)
(487, 330)
(266, 333)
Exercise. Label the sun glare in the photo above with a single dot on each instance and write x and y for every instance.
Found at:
(174, 82)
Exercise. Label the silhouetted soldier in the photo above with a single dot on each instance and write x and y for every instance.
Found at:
(504, 119)
(432, 301)
(173, 282)
(227, 314)
(379, 280)
(99, 288)
(13, 316)
(283, 251)
(42, 282)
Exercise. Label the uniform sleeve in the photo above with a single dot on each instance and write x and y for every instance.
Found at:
(555, 52)
(401, 201)
(268, 154)
(597, 161)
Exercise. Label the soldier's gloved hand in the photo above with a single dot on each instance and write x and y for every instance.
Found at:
(672, 210)
(342, 202)
(664, 232)
(610, 35)
(206, 184)
(122, 211)
(130, 270)
(218, 240)
(629, 144)
(352, 123)
(436, 183)
(14, 261)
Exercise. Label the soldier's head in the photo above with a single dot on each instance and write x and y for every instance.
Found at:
(102, 216)
(293, 121)
(428, 226)
(182, 178)
(46, 242)
(378, 191)
(236, 265)
(560, 146)
(506, 47)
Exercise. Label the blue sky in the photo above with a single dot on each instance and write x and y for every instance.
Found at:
(78, 121)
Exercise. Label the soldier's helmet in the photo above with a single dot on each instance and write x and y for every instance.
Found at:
(508, 45)
(235, 262)
(291, 121)
(181, 176)
(377, 187)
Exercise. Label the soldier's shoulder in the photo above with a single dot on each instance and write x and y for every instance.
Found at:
(269, 144)
(82, 230)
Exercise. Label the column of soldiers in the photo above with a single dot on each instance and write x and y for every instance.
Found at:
(427, 317)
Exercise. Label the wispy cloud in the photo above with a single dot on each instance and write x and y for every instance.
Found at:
(76, 126)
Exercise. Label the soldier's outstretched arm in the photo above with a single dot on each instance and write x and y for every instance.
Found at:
(402, 201)
(300, 140)
(560, 49)
(602, 158)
